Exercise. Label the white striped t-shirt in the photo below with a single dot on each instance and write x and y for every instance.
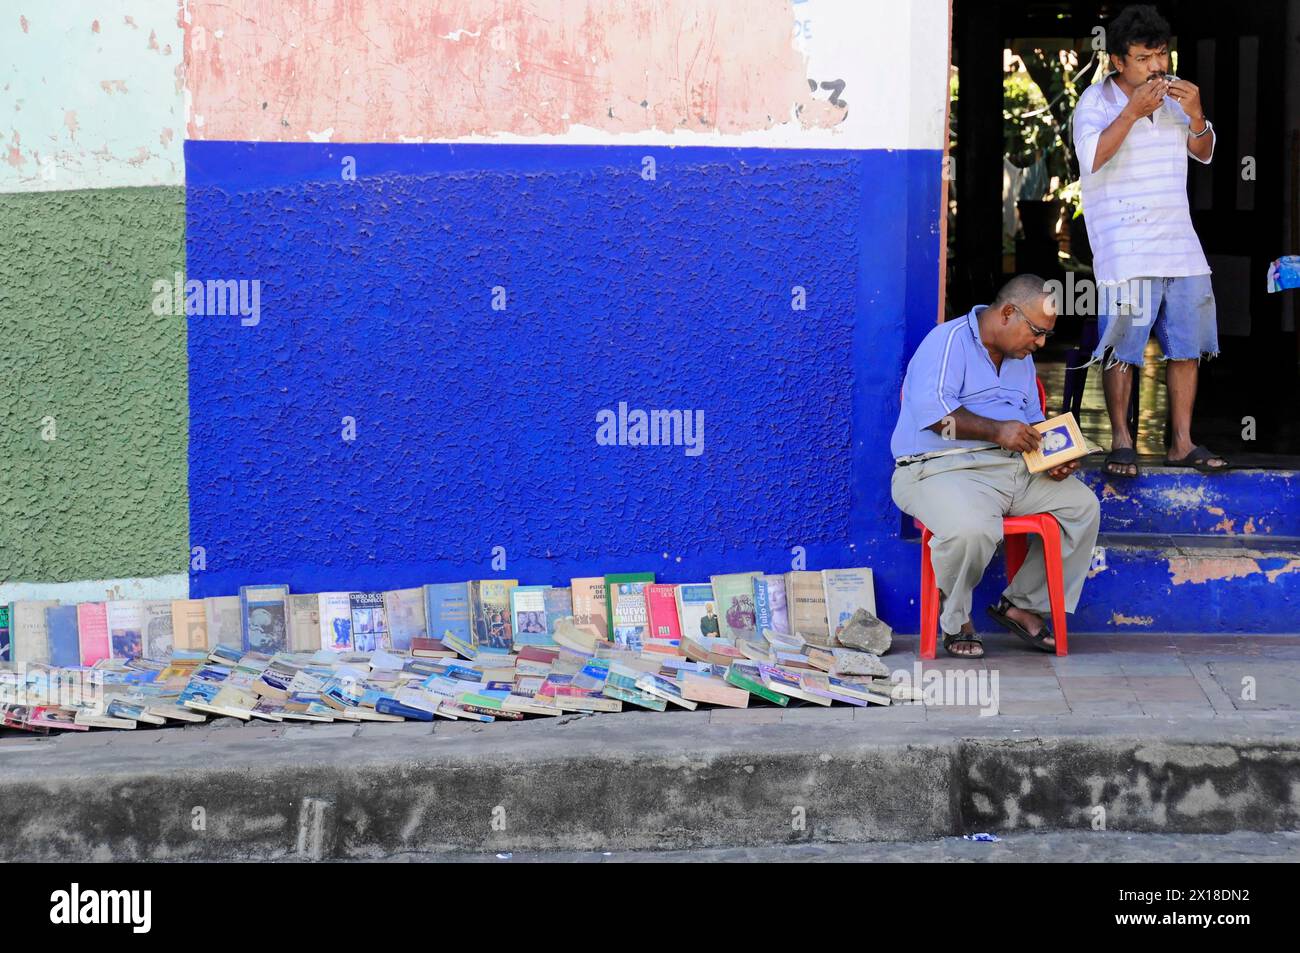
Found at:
(1135, 205)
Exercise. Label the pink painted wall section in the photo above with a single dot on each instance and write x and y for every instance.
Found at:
(352, 71)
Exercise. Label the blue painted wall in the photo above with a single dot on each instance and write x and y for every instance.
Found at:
(476, 428)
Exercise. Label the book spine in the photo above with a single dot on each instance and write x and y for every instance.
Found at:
(757, 688)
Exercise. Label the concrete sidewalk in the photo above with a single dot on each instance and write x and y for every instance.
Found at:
(1160, 734)
(1056, 847)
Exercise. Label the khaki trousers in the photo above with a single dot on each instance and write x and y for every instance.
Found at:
(962, 498)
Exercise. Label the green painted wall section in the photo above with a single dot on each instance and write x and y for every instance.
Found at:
(79, 343)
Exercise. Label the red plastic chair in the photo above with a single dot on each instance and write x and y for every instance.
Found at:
(1015, 531)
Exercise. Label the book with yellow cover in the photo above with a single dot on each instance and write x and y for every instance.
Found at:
(189, 625)
(1062, 442)
(589, 605)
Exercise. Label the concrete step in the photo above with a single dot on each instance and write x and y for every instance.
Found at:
(636, 781)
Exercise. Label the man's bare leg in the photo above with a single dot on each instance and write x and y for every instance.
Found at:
(1118, 383)
(1181, 378)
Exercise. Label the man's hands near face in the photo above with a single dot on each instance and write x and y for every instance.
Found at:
(1147, 98)
(1064, 470)
(1013, 435)
(1189, 97)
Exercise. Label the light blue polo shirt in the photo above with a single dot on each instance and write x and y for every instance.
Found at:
(952, 369)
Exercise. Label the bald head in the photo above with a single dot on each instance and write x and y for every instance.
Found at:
(1025, 291)
(1014, 323)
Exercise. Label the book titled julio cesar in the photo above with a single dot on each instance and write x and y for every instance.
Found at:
(769, 605)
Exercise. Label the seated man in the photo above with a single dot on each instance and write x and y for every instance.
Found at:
(968, 399)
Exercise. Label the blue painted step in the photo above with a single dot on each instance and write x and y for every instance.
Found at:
(1184, 502)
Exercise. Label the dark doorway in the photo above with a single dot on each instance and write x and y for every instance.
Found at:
(1248, 404)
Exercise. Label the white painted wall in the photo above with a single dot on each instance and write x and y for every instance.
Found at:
(90, 94)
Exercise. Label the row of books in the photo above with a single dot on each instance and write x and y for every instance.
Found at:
(349, 686)
(491, 616)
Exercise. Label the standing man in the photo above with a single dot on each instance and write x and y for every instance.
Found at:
(970, 399)
(1132, 135)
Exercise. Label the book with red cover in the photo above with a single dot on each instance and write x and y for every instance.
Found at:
(661, 609)
(92, 631)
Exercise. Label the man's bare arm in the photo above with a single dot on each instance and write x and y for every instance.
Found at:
(1188, 95)
(1145, 100)
(961, 424)
(1111, 138)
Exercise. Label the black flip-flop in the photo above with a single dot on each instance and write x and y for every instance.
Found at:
(1199, 459)
(999, 615)
(973, 637)
(1122, 457)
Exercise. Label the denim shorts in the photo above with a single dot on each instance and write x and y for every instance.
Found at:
(1179, 310)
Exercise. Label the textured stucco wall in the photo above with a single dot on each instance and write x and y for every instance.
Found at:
(476, 428)
(91, 94)
(107, 496)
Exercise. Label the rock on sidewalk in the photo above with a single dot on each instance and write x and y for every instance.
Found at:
(867, 633)
(853, 662)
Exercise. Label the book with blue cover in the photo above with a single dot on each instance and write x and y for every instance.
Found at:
(697, 610)
(6, 652)
(264, 618)
(387, 705)
(65, 646)
(446, 611)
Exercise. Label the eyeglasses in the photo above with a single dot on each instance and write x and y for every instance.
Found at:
(1043, 333)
